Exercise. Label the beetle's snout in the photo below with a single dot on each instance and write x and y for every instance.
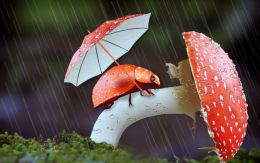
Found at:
(146, 76)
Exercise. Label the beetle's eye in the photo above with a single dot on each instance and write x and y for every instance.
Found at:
(152, 78)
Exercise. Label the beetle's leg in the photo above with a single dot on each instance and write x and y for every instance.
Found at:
(129, 99)
(143, 91)
(146, 92)
(149, 92)
(109, 105)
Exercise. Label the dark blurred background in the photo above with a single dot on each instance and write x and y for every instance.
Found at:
(39, 37)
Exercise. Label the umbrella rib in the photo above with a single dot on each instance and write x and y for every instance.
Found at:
(98, 59)
(81, 66)
(125, 30)
(114, 44)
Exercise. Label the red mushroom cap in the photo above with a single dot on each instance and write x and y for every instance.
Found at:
(223, 101)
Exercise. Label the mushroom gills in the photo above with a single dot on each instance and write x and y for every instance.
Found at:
(183, 73)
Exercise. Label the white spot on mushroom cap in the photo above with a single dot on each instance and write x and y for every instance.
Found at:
(205, 90)
(224, 143)
(208, 108)
(229, 108)
(205, 75)
(222, 129)
(221, 98)
(236, 124)
(215, 104)
(225, 85)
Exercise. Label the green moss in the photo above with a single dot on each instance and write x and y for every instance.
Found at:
(243, 156)
(71, 147)
(64, 147)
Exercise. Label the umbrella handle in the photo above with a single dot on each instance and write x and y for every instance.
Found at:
(110, 55)
(103, 47)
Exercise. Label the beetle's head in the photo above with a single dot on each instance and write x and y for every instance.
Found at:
(145, 76)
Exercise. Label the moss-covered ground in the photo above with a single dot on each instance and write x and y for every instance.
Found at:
(71, 147)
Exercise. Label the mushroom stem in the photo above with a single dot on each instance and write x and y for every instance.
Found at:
(112, 122)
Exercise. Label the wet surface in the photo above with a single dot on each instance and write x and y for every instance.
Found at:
(38, 40)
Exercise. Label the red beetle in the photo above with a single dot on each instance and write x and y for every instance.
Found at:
(121, 80)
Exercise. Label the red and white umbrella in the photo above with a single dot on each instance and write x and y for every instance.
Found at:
(102, 47)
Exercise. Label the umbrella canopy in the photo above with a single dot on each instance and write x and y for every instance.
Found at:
(109, 41)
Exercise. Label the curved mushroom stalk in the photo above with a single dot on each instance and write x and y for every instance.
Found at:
(172, 100)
